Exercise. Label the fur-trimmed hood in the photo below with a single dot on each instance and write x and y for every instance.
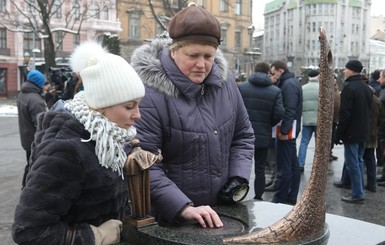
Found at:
(147, 63)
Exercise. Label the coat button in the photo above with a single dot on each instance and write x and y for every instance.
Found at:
(215, 132)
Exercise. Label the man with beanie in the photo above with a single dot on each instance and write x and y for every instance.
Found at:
(193, 112)
(309, 115)
(76, 188)
(29, 104)
(353, 127)
(288, 171)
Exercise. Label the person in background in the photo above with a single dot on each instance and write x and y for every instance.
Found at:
(336, 109)
(309, 115)
(374, 83)
(264, 105)
(69, 90)
(76, 191)
(288, 171)
(377, 115)
(49, 94)
(381, 131)
(29, 104)
(193, 112)
(353, 127)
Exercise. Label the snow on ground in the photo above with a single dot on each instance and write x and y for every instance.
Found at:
(8, 111)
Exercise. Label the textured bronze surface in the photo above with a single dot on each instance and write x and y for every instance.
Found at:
(137, 168)
(230, 226)
(306, 220)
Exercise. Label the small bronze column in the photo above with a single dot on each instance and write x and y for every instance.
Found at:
(137, 169)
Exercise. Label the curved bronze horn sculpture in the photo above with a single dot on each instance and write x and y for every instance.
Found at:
(306, 220)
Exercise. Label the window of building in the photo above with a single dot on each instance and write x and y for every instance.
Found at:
(3, 76)
(238, 39)
(57, 8)
(314, 28)
(3, 38)
(104, 13)
(238, 7)
(30, 8)
(76, 10)
(3, 6)
(59, 36)
(27, 42)
(134, 24)
(76, 40)
(224, 6)
(224, 38)
(95, 11)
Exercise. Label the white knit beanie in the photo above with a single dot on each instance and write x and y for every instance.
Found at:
(108, 79)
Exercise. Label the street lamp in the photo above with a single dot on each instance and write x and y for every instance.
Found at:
(27, 57)
(25, 68)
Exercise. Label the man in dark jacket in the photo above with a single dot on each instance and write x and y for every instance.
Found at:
(29, 104)
(354, 127)
(264, 105)
(288, 170)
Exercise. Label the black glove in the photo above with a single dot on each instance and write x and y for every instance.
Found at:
(338, 141)
(235, 190)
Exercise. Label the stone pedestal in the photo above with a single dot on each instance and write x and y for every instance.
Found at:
(251, 216)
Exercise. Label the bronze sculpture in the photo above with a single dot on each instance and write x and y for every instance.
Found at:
(137, 168)
(306, 220)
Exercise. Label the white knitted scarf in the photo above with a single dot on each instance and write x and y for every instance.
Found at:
(108, 136)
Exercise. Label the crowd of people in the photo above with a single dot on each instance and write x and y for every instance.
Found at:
(209, 129)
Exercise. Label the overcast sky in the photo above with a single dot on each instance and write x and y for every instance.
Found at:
(378, 8)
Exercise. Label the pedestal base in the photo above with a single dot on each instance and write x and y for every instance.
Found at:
(251, 216)
(148, 220)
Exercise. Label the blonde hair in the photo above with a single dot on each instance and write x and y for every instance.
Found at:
(179, 44)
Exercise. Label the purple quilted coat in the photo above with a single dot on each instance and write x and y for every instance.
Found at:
(203, 131)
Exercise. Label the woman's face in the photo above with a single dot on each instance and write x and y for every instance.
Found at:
(123, 114)
(194, 61)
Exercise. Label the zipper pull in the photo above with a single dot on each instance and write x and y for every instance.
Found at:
(203, 89)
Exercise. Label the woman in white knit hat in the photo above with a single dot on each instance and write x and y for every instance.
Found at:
(76, 192)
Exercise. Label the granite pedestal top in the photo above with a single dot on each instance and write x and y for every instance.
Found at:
(250, 216)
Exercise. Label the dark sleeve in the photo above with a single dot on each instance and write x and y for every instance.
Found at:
(54, 181)
(167, 199)
(279, 110)
(37, 105)
(345, 112)
(291, 93)
(242, 145)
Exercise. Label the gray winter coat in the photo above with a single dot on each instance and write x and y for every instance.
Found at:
(29, 104)
(203, 131)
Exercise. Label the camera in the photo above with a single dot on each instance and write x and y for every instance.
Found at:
(59, 76)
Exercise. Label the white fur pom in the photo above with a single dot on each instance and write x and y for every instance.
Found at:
(84, 53)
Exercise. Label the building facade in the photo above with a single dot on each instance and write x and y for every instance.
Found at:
(139, 25)
(292, 30)
(22, 34)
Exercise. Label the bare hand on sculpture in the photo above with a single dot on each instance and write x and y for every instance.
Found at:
(205, 215)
